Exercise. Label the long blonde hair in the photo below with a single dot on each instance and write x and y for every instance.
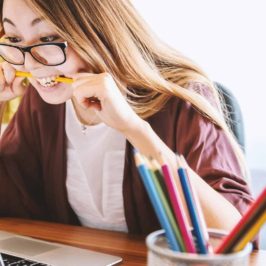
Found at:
(111, 37)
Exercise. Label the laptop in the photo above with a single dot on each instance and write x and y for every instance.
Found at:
(18, 250)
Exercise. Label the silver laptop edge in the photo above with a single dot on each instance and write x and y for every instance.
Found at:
(52, 253)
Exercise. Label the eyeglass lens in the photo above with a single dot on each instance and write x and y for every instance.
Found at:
(45, 54)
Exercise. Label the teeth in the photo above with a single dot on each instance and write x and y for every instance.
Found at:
(48, 81)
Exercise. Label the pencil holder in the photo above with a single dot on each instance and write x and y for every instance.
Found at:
(159, 253)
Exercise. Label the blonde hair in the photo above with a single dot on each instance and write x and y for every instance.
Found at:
(111, 37)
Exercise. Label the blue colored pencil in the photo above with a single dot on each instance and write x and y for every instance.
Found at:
(156, 202)
(192, 209)
(198, 208)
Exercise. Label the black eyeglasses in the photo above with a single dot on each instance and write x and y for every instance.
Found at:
(49, 54)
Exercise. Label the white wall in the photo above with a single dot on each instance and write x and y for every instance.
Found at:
(228, 39)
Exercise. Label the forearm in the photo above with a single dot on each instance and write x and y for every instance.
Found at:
(218, 212)
(141, 136)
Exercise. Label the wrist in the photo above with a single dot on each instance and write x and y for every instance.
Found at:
(137, 125)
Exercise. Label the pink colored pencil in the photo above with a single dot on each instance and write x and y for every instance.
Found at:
(178, 210)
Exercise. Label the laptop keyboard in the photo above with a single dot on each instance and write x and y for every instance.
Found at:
(9, 260)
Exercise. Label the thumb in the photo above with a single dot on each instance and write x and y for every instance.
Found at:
(9, 72)
(19, 86)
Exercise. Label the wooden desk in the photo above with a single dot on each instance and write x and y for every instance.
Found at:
(131, 248)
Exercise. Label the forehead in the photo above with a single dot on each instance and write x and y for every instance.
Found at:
(18, 15)
(18, 10)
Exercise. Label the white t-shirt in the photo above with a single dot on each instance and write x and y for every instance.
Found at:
(95, 167)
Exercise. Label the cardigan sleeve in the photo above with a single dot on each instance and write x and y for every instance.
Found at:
(210, 154)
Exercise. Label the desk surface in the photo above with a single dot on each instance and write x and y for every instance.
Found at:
(131, 248)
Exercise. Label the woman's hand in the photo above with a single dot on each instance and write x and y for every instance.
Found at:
(10, 85)
(100, 91)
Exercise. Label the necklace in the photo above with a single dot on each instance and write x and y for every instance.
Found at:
(80, 116)
(84, 129)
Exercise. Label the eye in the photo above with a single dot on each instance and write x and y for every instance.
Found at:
(51, 38)
(13, 39)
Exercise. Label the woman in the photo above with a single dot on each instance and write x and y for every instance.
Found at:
(67, 154)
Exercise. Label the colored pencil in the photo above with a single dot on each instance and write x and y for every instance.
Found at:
(252, 232)
(193, 212)
(198, 207)
(246, 227)
(58, 79)
(156, 202)
(230, 240)
(178, 209)
(158, 180)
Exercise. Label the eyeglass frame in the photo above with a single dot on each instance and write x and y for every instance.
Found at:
(27, 49)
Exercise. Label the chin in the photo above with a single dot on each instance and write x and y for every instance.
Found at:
(54, 100)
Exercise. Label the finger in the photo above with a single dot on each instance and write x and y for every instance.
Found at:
(91, 103)
(9, 72)
(95, 84)
(103, 78)
(6, 95)
(18, 87)
(81, 75)
(89, 81)
(90, 90)
(87, 97)
(88, 101)
(85, 91)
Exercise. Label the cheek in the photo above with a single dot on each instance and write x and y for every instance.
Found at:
(73, 64)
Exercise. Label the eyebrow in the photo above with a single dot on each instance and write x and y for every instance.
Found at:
(33, 23)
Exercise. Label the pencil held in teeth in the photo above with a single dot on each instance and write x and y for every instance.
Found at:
(92, 101)
(57, 79)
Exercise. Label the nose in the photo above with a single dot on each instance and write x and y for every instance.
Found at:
(30, 63)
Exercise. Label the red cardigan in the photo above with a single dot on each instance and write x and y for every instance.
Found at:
(33, 163)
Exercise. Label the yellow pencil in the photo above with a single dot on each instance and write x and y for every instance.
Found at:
(58, 79)
(252, 232)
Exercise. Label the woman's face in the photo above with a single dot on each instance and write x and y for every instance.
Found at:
(23, 27)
